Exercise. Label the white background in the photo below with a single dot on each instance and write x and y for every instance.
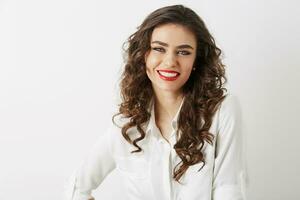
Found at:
(60, 62)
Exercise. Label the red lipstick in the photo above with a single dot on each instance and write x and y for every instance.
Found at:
(168, 75)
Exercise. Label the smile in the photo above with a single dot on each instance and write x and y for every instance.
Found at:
(168, 75)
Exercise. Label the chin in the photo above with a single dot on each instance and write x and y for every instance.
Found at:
(169, 89)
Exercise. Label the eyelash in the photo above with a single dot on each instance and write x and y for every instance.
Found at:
(185, 54)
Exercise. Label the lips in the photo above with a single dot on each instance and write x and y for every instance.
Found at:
(168, 75)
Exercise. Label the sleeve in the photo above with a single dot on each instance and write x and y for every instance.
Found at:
(92, 171)
(229, 177)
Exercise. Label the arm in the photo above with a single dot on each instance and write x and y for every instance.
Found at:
(92, 171)
(229, 168)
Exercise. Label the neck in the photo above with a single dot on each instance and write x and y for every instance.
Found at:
(166, 105)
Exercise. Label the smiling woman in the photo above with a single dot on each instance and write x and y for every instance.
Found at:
(177, 135)
(170, 58)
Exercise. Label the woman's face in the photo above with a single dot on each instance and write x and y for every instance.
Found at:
(170, 60)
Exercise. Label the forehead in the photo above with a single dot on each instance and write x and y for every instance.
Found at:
(174, 35)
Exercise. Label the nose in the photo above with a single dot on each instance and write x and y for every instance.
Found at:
(170, 60)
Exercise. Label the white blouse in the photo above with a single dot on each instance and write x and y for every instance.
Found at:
(148, 174)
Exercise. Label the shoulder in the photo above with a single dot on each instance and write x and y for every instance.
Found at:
(117, 125)
(231, 102)
(119, 121)
(230, 109)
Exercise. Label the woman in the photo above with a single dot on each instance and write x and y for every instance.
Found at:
(177, 135)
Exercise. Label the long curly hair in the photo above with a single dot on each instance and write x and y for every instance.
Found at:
(204, 90)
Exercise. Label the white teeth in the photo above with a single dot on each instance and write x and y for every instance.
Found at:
(168, 74)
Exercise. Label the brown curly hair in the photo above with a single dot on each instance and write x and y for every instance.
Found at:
(203, 91)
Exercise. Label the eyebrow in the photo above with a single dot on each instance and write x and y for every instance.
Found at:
(183, 46)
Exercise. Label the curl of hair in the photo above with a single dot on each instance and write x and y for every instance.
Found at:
(204, 91)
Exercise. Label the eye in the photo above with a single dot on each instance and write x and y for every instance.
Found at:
(184, 52)
(158, 49)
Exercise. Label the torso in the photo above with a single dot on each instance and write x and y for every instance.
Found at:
(165, 129)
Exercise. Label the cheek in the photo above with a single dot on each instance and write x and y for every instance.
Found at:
(188, 66)
(148, 69)
(150, 64)
(186, 72)
(152, 61)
